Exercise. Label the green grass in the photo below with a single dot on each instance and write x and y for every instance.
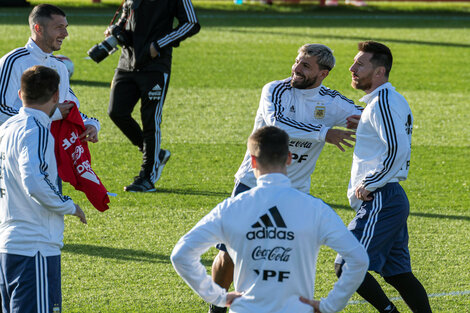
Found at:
(120, 261)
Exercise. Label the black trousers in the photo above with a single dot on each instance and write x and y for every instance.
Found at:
(126, 90)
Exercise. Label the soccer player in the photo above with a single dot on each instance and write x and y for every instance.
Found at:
(381, 160)
(273, 233)
(31, 206)
(307, 111)
(48, 26)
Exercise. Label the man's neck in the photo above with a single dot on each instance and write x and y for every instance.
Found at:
(376, 85)
(38, 43)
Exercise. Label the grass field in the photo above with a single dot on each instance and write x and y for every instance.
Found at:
(120, 261)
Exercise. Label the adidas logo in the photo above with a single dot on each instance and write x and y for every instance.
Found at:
(155, 93)
(269, 225)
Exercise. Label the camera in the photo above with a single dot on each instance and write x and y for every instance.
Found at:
(108, 46)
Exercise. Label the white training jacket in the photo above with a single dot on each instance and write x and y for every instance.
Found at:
(31, 207)
(306, 115)
(273, 233)
(383, 142)
(13, 65)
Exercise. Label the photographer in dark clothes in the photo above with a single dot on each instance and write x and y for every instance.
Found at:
(143, 73)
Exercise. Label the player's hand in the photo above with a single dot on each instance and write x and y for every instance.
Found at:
(313, 303)
(90, 134)
(338, 138)
(363, 194)
(232, 296)
(352, 121)
(65, 108)
(80, 214)
(107, 32)
(153, 51)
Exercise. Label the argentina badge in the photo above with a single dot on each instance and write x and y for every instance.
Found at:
(319, 112)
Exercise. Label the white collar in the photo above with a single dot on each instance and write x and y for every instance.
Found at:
(309, 92)
(34, 49)
(38, 114)
(369, 97)
(277, 179)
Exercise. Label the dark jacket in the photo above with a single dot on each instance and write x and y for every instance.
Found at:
(147, 21)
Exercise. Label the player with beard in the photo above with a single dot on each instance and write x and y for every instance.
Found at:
(307, 111)
(381, 160)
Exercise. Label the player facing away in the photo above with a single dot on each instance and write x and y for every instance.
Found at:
(273, 233)
(307, 111)
(32, 208)
(381, 160)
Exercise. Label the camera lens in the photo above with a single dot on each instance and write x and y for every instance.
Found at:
(100, 51)
(97, 53)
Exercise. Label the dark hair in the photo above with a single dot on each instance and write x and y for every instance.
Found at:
(381, 54)
(270, 146)
(42, 11)
(39, 84)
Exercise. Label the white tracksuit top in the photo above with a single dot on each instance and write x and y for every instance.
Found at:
(383, 142)
(306, 115)
(31, 207)
(273, 233)
(13, 65)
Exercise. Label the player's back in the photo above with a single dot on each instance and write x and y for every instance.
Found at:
(274, 235)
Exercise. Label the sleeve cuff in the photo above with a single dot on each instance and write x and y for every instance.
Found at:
(323, 132)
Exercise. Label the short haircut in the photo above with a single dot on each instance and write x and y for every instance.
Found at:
(39, 84)
(270, 146)
(42, 12)
(325, 57)
(381, 54)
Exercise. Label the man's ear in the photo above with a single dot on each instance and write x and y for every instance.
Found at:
(380, 71)
(253, 162)
(289, 158)
(55, 96)
(324, 73)
(19, 95)
(37, 28)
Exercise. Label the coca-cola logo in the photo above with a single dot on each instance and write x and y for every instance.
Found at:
(279, 254)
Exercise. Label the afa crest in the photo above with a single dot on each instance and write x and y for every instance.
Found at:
(320, 111)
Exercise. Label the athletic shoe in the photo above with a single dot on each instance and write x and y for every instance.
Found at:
(216, 309)
(163, 156)
(140, 184)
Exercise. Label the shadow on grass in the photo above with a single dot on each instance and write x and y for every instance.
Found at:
(79, 82)
(121, 254)
(292, 15)
(358, 38)
(419, 214)
(116, 253)
(193, 192)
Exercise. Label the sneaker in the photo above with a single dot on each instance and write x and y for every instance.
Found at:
(216, 309)
(163, 156)
(140, 184)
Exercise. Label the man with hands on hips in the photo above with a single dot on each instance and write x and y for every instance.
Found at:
(273, 233)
